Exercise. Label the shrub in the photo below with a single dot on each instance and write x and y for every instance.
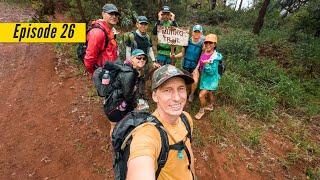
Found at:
(290, 93)
(231, 90)
(239, 45)
(259, 102)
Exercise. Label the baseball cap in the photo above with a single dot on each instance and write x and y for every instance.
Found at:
(197, 27)
(166, 9)
(142, 19)
(166, 72)
(137, 52)
(211, 38)
(109, 8)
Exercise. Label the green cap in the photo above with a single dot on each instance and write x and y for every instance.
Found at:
(166, 72)
(137, 52)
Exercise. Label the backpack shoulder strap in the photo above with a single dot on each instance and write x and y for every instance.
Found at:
(104, 31)
(132, 37)
(187, 124)
(163, 156)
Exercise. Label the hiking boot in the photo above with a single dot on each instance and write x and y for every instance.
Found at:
(209, 107)
(199, 114)
(191, 97)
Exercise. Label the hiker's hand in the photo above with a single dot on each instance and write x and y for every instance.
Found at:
(172, 56)
(160, 15)
(172, 16)
(156, 65)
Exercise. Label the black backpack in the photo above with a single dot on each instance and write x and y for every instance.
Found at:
(113, 69)
(82, 47)
(121, 139)
(221, 68)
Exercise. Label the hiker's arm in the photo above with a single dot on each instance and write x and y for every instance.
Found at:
(141, 167)
(95, 42)
(151, 54)
(181, 54)
(128, 53)
(145, 148)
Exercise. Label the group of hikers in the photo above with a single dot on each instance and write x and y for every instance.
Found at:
(159, 144)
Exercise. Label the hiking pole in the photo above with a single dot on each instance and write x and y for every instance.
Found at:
(172, 55)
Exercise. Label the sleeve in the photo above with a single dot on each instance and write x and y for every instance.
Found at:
(128, 53)
(95, 42)
(151, 54)
(146, 141)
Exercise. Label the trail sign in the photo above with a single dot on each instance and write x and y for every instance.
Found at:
(173, 35)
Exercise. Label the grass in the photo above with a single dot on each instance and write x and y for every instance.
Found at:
(198, 138)
(252, 138)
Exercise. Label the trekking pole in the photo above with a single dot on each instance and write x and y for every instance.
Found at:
(171, 55)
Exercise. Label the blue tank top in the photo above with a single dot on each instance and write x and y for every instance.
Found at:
(192, 53)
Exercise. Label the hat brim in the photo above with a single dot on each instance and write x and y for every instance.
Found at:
(197, 30)
(187, 79)
(143, 22)
(111, 11)
(166, 11)
(139, 54)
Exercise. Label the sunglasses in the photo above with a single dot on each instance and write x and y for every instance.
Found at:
(114, 14)
(141, 58)
(208, 42)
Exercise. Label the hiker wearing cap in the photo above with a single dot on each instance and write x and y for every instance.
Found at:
(164, 51)
(99, 47)
(139, 39)
(170, 95)
(191, 55)
(123, 97)
(209, 78)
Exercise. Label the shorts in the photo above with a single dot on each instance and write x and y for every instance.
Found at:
(163, 59)
(116, 115)
(190, 70)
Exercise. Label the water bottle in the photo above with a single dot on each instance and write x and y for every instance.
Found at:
(105, 78)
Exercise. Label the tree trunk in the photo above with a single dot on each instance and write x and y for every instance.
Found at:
(80, 8)
(259, 23)
(240, 5)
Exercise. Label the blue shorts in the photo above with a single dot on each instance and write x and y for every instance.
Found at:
(163, 59)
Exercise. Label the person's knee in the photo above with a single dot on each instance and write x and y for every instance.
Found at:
(202, 95)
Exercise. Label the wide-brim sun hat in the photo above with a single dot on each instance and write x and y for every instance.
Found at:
(211, 38)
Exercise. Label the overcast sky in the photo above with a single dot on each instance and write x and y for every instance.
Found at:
(245, 3)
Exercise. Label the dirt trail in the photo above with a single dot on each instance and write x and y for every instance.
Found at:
(47, 129)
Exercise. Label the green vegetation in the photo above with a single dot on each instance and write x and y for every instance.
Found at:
(272, 80)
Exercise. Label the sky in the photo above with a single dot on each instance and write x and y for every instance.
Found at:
(245, 3)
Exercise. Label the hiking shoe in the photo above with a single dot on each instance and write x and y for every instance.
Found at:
(199, 114)
(191, 97)
(209, 107)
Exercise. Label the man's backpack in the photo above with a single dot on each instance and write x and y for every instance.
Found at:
(122, 137)
(82, 47)
(110, 70)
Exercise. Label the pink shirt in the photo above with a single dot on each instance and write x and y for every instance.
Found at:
(203, 59)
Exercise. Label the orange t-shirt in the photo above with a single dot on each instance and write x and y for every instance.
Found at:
(146, 141)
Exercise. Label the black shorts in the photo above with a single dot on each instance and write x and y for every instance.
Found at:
(116, 115)
(190, 70)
